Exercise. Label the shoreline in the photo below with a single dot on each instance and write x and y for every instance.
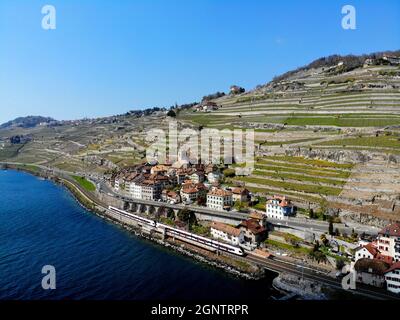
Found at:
(210, 259)
(177, 246)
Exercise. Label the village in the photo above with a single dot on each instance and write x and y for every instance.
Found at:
(199, 185)
(377, 263)
(374, 261)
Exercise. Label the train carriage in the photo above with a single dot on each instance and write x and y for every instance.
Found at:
(184, 234)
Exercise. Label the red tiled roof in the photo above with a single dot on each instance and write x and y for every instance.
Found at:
(283, 202)
(220, 193)
(392, 230)
(189, 190)
(387, 259)
(253, 225)
(170, 193)
(372, 249)
(193, 187)
(160, 167)
(240, 191)
(394, 266)
(149, 183)
(131, 176)
(225, 228)
(377, 254)
(201, 186)
(256, 215)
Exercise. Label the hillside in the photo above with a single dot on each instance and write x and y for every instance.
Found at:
(87, 145)
(26, 122)
(327, 134)
(342, 109)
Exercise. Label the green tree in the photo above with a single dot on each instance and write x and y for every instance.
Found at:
(229, 173)
(171, 113)
(170, 214)
(339, 264)
(241, 206)
(330, 229)
(187, 216)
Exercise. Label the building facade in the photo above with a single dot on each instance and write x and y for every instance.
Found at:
(388, 241)
(151, 190)
(253, 232)
(365, 252)
(279, 208)
(371, 272)
(392, 277)
(197, 177)
(219, 199)
(240, 194)
(191, 192)
(226, 233)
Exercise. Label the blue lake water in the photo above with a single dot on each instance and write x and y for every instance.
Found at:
(42, 224)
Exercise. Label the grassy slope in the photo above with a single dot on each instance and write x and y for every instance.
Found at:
(87, 185)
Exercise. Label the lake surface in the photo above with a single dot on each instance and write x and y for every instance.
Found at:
(42, 224)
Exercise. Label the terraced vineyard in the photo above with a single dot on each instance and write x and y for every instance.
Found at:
(389, 143)
(322, 135)
(299, 178)
(360, 98)
(350, 118)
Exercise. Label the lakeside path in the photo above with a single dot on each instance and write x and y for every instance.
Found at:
(274, 264)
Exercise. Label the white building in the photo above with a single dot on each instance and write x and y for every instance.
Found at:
(219, 199)
(392, 277)
(213, 177)
(191, 192)
(197, 177)
(151, 190)
(371, 272)
(279, 208)
(136, 190)
(226, 233)
(388, 241)
(240, 194)
(366, 252)
(133, 186)
(117, 184)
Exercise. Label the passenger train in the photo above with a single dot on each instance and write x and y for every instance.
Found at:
(181, 233)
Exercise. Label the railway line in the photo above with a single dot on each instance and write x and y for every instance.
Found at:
(183, 235)
(272, 264)
(308, 273)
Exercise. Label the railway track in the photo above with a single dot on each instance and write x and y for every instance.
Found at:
(308, 273)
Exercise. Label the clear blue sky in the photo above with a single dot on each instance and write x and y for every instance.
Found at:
(108, 57)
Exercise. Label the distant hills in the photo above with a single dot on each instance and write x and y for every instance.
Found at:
(26, 122)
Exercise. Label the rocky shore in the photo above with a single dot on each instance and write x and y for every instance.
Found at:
(221, 262)
(305, 289)
(189, 250)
